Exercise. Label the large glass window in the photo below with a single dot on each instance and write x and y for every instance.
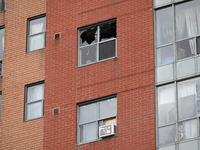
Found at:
(36, 34)
(94, 114)
(34, 101)
(178, 112)
(97, 42)
(177, 36)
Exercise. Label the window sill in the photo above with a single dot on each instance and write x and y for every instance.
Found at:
(35, 50)
(33, 119)
(79, 144)
(115, 57)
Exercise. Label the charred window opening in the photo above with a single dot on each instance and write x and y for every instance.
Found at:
(97, 43)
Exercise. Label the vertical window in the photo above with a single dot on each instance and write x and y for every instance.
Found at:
(2, 5)
(36, 33)
(34, 101)
(177, 39)
(177, 49)
(2, 30)
(97, 42)
(93, 114)
(175, 126)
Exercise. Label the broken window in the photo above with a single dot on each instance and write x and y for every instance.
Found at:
(2, 5)
(97, 43)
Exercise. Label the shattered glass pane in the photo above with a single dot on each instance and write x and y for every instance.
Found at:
(88, 36)
(88, 54)
(108, 31)
(107, 50)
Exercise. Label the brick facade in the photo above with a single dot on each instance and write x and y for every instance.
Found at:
(130, 75)
(19, 68)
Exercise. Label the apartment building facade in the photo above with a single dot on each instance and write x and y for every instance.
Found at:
(94, 75)
(23, 68)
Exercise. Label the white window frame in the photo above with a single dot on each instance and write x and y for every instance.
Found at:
(43, 32)
(99, 121)
(97, 43)
(27, 87)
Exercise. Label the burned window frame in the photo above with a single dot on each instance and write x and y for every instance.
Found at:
(2, 5)
(92, 45)
(97, 118)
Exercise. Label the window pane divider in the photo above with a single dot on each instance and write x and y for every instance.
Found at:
(35, 101)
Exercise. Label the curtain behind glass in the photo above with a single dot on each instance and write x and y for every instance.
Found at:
(164, 26)
(1, 43)
(34, 110)
(166, 105)
(35, 93)
(38, 27)
(186, 99)
(187, 19)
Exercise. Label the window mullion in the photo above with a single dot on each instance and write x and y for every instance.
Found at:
(98, 42)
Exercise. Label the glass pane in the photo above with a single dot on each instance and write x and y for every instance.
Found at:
(108, 31)
(165, 55)
(37, 26)
(35, 93)
(164, 73)
(107, 50)
(198, 63)
(166, 104)
(187, 129)
(88, 54)
(88, 113)
(167, 135)
(185, 68)
(198, 45)
(1, 43)
(108, 108)
(161, 2)
(198, 96)
(88, 36)
(88, 132)
(164, 26)
(188, 98)
(192, 145)
(185, 49)
(36, 42)
(34, 110)
(172, 147)
(186, 19)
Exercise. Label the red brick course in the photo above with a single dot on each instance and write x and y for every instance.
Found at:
(130, 75)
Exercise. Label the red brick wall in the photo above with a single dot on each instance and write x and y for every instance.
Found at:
(130, 75)
(19, 68)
